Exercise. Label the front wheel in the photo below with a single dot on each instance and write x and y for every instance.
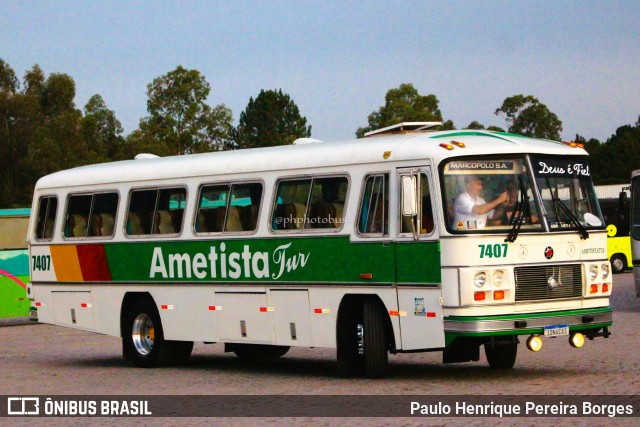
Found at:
(143, 340)
(618, 264)
(501, 352)
(362, 340)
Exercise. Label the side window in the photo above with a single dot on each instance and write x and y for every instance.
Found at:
(326, 204)
(373, 218)
(425, 213)
(47, 208)
(103, 214)
(228, 208)
(307, 204)
(244, 206)
(291, 204)
(91, 215)
(156, 211)
(77, 217)
(212, 208)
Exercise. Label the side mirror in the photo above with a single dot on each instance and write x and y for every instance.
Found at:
(409, 202)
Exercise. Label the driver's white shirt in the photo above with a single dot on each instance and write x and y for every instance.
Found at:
(464, 218)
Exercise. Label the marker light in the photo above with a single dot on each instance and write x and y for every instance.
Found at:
(593, 272)
(459, 144)
(573, 144)
(478, 296)
(534, 343)
(480, 279)
(576, 340)
(604, 268)
(447, 146)
(497, 295)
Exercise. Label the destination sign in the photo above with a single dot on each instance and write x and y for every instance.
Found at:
(561, 168)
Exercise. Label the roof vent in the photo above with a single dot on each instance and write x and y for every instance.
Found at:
(143, 156)
(404, 127)
(305, 141)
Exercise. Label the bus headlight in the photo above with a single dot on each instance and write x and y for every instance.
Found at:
(498, 278)
(480, 279)
(593, 272)
(604, 268)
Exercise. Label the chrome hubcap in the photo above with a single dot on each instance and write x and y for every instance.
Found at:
(143, 334)
(617, 264)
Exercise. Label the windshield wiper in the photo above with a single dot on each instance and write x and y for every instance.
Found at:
(584, 234)
(516, 221)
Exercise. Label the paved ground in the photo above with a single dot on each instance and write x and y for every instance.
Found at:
(44, 359)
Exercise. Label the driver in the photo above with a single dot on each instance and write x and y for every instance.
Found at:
(470, 209)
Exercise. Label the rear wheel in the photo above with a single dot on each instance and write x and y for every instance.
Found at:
(143, 340)
(501, 352)
(618, 264)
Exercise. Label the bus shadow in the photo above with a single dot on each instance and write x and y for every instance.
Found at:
(297, 367)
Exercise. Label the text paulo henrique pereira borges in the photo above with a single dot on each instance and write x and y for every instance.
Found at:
(463, 408)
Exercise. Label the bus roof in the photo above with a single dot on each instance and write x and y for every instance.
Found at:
(398, 147)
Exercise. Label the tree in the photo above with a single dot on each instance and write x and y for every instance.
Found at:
(477, 125)
(34, 81)
(405, 104)
(57, 94)
(101, 130)
(526, 115)
(271, 119)
(179, 116)
(8, 80)
(622, 154)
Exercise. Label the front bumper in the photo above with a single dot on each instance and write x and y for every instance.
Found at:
(529, 323)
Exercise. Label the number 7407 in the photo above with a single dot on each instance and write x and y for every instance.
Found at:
(497, 250)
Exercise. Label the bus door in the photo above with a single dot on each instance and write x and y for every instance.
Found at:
(418, 269)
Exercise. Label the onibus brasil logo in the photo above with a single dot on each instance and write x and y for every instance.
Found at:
(232, 265)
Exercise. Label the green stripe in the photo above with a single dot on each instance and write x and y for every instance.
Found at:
(472, 133)
(304, 260)
(530, 315)
(450, 337)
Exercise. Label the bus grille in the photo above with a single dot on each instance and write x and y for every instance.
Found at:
(535, 283)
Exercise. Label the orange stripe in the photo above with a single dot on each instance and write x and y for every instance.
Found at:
(66, 263)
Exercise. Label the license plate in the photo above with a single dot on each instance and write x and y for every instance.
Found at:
(556, 330)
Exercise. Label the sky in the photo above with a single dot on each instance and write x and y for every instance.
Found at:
(338, 59)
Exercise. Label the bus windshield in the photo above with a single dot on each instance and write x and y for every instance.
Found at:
(489, 195)
(483, 194)
(567, 193)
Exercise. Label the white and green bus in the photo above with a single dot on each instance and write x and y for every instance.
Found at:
(635, 227)
(372, 246)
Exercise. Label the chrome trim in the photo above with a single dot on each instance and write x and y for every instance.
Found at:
(533, 322)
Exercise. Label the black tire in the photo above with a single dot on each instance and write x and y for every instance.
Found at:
(376, 354)
(255, 352)
(362, 341)
(349, 360)
(618, 263)
(143, 340)
(501, 352)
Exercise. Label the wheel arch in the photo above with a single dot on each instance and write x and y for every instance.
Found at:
(627, 262)
(353, 303)
(130, 298)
